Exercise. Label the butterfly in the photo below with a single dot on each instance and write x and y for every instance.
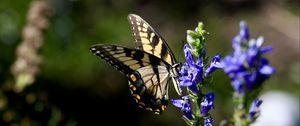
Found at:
(149, 66)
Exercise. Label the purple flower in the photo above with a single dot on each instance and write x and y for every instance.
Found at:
(188, 55)
(184, 105)
(233, 64)
(244, 30)
(191, 72)
(246, 64)
(256, 78)
(254, 108)
(193, 76)
(254, 51)
(208, 103)
(242, 38)
(208, 121)
(215, 64)
(237, 85)
(266, 70)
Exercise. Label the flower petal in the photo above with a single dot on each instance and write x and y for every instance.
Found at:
(267, 70)
(265, 50)
(188, 54)
(254, 108)
(194, 88)
(244, 30)
(237, 85)
(215, 64)
(208, 103)
(177, 103)
(208, 121)
(259, 41)
(184, 105)
(186, 83)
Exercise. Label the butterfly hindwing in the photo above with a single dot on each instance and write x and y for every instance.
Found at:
(148, 86)
(148, 40)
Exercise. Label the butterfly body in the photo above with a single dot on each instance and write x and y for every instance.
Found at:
(148, 67)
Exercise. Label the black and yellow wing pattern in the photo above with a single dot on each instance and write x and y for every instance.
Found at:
(148, 75)
(148, 67)
(147, 39)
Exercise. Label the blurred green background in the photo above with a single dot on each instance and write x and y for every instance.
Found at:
(74, 87)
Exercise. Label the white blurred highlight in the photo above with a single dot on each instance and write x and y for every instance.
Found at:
(278, 109)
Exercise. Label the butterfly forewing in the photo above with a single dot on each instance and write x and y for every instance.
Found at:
(148, 40)
(120, 57)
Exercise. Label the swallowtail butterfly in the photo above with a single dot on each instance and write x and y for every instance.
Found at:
(149, 66)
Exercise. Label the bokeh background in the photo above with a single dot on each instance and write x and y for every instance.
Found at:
(73, 87)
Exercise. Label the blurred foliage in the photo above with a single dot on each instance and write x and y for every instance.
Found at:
(76, 88)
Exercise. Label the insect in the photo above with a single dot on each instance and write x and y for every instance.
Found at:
(149, 66)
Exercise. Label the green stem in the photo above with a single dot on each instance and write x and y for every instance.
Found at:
(240, 112)
(197, 100)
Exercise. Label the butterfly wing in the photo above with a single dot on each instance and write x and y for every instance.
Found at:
(148, 40)
(124, 59)
(149, 87)
(148, 75)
